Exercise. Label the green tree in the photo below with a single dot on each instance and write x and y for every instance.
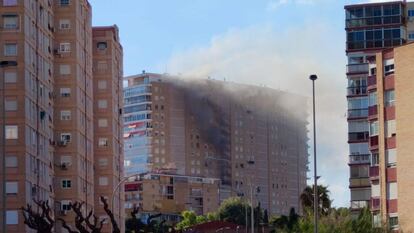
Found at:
(234, 210)
(286, 223)
(189, 218)
(324, 202)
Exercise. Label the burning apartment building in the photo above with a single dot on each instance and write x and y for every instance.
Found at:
(248, 137)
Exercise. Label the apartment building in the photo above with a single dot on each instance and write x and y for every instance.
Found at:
(108, 122)
(370, 29)
(47, 55)
(222, 130)
(171, 194)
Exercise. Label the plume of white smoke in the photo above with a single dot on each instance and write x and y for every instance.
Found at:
(284, 59)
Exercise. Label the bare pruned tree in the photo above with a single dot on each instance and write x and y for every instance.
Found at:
(42, 220)
(115, 228)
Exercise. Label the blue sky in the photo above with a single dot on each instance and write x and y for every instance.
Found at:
(276, 43)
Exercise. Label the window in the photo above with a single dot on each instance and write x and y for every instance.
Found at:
(103, 181)
(372, 99)
(103, 162)
(103, 142)
(377, 222)
(391, 156)
(66, 137)
(393, 221)
(64, 69)
(410, 12)
(9, 2)
(64, 2)
(64, 24)
(102, 104)
(66, 184)
(101, 65)
(12, 217)
(389, 98)
(11, 161)
(10, 77)
(10, 49)
(373, 128)
(10, 22)
(102, 84)
(103, 122)
(390, 128)
(410, 35)
(374, 159)
(65, 92)
(66, 160)
(392, 191)
(64, 47)
(10, 105)
(65, 115)
(12, 187)
(65, 205)
(101, 45)
(12, 132)
(389, 66)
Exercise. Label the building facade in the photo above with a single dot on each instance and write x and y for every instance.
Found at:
(372, 31)
(47, 52)
(171, 194)
(206, 128)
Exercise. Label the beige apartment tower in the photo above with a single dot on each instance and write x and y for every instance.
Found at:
(248, 137)
(51, 87)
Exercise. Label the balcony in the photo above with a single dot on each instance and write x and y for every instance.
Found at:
(361, 68)
(356, 137)
(372, 112)
(389, 83)
(375, 203)
(372, 21)
(391, 142)
(392, 206)
(390, 113)
(359, 182)
(357, 91)
(373, 143)
(356, 205)
(357, 113)
(372, 82)
(359, 159)
(373, 44)
(391, 174)
(374, 173)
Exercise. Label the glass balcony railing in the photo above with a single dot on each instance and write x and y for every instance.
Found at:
(359, 204)
(359, 159)
(372, 44)
(357, 113)
(372, 21)
(357, 68)
(361, 90)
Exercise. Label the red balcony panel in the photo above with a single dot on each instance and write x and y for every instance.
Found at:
(392, 206)
(373, 143)
(372, 81)
(389, 83)
(388, 54)
(132, 187)
(391, 142)
(392, 174)
(373, 172)
(372, 111)
(390, 113)
(375, 203)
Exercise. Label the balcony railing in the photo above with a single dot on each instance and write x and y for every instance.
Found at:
(372, 80)
(357, 68)
(359, 204)
(359, 159)
(375, 203)
(372, 110)
(371, 21)
(359, 182)
(361, 90)
(357, 113)
(373, 141)
(373, 44)
(373, 172)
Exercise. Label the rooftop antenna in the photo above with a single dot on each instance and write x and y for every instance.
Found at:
(143, 71)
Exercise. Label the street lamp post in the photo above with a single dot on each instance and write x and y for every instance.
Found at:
(313, 77)
(3, 160)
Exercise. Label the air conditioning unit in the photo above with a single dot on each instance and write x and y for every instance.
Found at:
(64, 166)
(63, 212)
(63, 143)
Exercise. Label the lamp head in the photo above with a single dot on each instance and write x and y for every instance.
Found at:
(313, 77)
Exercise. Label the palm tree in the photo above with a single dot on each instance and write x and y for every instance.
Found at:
(324, 202)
